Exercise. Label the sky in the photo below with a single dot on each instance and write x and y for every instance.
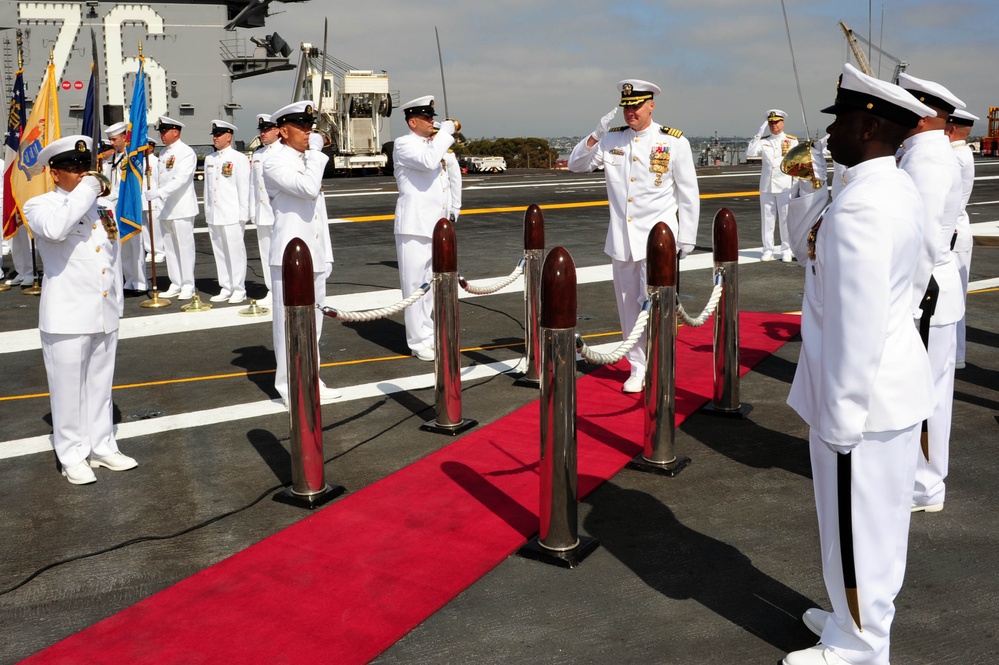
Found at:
(546, 68)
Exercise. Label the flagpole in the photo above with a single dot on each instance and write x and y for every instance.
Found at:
(154, 301)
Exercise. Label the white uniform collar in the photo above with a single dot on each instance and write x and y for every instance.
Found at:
(923, 137)
(869, 166)
(958, 144)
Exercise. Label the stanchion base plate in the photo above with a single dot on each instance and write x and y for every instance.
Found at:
(453, 430)
(670, 470)
(567, 559)
(741, 412)
(524, 382)
(311, 501)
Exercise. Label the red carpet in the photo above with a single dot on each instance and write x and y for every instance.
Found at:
(347, 582)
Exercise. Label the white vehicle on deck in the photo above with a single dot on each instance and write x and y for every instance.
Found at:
(486, 164)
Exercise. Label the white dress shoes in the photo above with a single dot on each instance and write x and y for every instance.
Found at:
(185, 294)
(815, 620)
(79, 474)
(172, 292)
(634, 384)
(787, 257)
(931, 508)
(327, 394)
(820, 654)
(237, 298)
(426, 354)
(114, 461)
(222, 297)
(767, 256)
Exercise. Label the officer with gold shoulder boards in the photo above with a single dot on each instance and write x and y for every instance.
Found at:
(649, 170)
(227, 199)
(771, 144)
(79, 310)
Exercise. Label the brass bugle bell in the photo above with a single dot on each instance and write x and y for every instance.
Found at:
(103, 179)
(797, 163)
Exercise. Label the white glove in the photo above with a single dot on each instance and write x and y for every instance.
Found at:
(151, 194)
(328, 271)
(604, 126)
(447, 127)
(93, 184)
(316, 141)
(764, 130)
(819, 158)
(683, 251)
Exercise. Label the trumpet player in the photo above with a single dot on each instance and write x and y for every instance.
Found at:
(421, 174)
(79, 310)
(771, 144)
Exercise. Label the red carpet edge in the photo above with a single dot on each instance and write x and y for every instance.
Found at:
(347, 582)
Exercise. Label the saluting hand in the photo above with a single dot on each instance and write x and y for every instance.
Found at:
(764, 130)
(604, 126)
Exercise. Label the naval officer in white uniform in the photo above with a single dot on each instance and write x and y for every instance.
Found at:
(928, 158)
(771, 144)
(79, 310)
(650, 177)
(261, 214)
(863, 381)
(959, 126)
(293, 175)
(227, 208)
(421, 175)
(175, 192)
(133, 267)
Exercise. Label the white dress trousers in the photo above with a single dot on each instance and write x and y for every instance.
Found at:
(261, 213)
(775, 186)
(177, 163)
(227, 184)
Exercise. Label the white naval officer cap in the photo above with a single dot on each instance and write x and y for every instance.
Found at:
(66, 151)
(773, 115)
(963, 118)
(264, 122)
(299, 113)
(116, 129)
(166, 123)
(930, 93)
(636, 91)
(220, 127)
(857, 91)
(421, 106)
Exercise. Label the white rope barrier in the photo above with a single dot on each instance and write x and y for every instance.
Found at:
(598, 358)
(373, 314)
(708, 309)
(495, 286)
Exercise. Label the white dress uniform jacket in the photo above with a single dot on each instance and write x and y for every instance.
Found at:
(771, 150)
(862, 366)
(454, 177)
(82, 291)
(294, 183)
(637, 202)
(112, 171)
(259, 202)
(227, 187)
(422, 179)
(930, 161)
(966, 160)
(176, 181)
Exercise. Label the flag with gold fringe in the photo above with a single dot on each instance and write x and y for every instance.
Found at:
(31, 177)
(130, 189)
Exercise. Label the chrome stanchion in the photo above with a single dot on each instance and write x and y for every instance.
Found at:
(558, 542)
(659, 455)
(447, 361)
(534, 254)
(309, 488)
(725, 399)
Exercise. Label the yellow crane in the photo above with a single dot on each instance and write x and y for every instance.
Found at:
(863, 64)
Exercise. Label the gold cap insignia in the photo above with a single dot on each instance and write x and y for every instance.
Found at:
(308, 109)
(81, 146)
(627, 88)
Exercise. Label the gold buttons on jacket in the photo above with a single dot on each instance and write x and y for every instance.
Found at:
(103, 271)
(105, 294)
(629, 220)
(98, 250)
(633, 180)
(634, 159)
(94, 226)
(629, 199)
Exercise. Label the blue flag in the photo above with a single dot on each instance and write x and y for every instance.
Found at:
(12, 142)
(130, 200)
(91, 127)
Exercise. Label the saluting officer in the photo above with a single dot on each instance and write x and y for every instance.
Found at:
(261, 213)
(79, 310)
(175, 191)
(959, 126)
(863, 381)
(227, 207)
(293, 175)
(421, 175)
(650, 177)
(928, 158)
(771, 144)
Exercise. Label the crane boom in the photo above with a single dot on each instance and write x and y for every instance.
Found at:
(854, 40)
(858, 53)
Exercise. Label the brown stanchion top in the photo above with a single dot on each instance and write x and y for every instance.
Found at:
(725, 237)
(534, 228)
(558, 290)
(445, 247)
(661, 254)
(297, 273)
